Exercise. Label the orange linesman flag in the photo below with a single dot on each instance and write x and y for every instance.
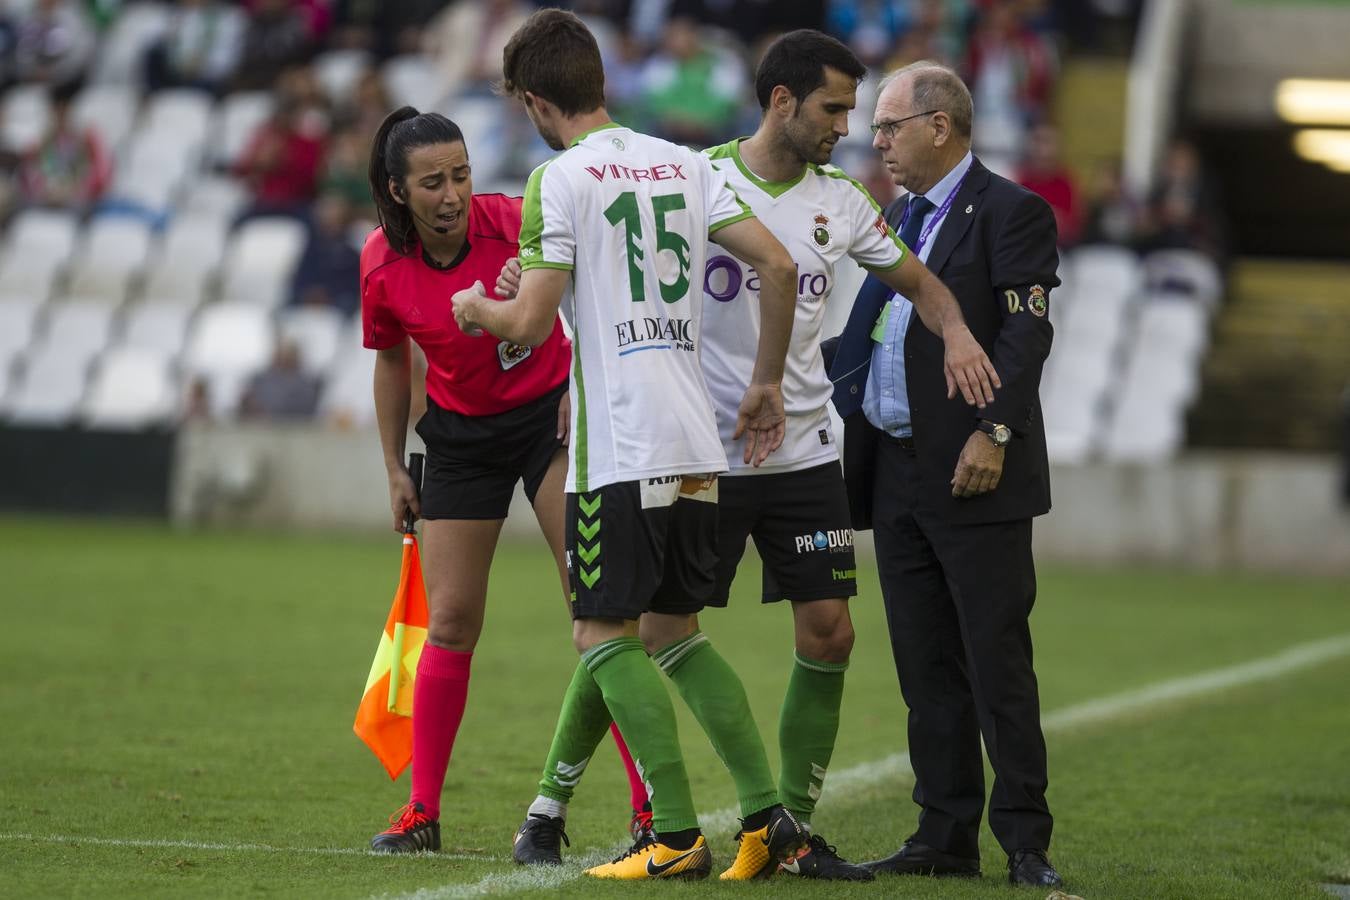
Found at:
(384, 718)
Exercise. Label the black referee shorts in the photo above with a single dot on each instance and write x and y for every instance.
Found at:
(474, 462)
(801, 528)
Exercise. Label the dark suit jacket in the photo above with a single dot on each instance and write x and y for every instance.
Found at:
(996, 253)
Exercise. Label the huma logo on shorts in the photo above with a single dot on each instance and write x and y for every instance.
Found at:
(838, 540)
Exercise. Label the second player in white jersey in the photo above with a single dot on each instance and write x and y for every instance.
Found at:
(628, 214)
(821, 217)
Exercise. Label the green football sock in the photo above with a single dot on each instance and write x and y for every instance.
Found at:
(581, 726)
(807, 728)
(718, 701)
(639, 703)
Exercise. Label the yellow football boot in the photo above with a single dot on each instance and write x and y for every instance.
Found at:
(649, 858)
(762, 850)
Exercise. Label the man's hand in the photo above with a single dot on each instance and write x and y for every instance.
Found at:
(762, 420)
(466, 304)
(402, 497)
(565, 418)
(968, 368)
(979, 467)
(508, 282)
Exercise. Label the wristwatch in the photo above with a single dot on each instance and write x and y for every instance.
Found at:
(999, 435)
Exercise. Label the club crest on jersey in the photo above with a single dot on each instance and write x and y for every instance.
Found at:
(509, 354)
(820, 233)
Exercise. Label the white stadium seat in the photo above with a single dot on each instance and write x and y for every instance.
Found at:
(316, 332)
(121, 58)
(109, 109)
(338, 71)
(413, 80)
(217, 196)
(18, 324)
(131, 388)
(183, 113)
(239, 117)
(24, 114)
(347, 396)
(42, 234)
(158, 326)
(115, 250)
(187, 257)
(227, 343)
(49, 390)
(1186, 272)
(79, 328)
(261, 259)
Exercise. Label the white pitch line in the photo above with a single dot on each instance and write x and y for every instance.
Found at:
(231, 848)
(896, 767)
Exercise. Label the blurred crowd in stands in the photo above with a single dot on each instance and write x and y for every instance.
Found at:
(325, 72)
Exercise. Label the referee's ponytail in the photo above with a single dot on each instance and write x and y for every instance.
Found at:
(402, 131)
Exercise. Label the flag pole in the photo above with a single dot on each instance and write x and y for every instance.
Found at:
(415, 461)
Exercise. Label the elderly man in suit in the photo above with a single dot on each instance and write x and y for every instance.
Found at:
(949, 491)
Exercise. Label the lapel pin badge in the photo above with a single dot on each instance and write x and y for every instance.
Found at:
(970, 208)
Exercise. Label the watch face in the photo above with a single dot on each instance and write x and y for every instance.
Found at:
(1002, 435)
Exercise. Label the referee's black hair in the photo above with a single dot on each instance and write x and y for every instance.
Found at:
(402, 131)
(798, 61)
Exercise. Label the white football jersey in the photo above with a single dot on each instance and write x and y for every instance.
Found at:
(630, 216)
(820, 217)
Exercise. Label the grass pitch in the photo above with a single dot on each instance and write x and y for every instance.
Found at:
(175, 720)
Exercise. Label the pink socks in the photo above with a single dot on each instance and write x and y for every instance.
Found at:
(439, 696)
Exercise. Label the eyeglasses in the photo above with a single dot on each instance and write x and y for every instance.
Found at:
(890, 128)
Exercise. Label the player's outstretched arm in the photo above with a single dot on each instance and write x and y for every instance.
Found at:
(526, 319)
(967, 366)
(761, 417)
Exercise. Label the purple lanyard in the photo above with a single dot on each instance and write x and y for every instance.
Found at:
(937, 216)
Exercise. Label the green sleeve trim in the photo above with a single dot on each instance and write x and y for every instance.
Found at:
(545, 264)
(893, 266)
(718, 226)
(531, 239)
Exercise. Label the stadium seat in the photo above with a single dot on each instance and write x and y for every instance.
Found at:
(261, 259)
(35, 279)
(49, 389)
(109, 109)
(114, 251)
(121, 58)
(338, 71)
(239, 117)
(317, 333)
(1173, 325)
(412, 80)
(24, 113)
(79, 328)
(18, 323)
(131, 388)
(226, 344)
(218, 196)
(160, 326)
(187, 258)
(347, 397)
(182, 113)
(1185, 272)
(42, 234)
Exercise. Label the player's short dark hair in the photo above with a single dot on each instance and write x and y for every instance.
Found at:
(401, 132)
(554, 56)
(798, 61)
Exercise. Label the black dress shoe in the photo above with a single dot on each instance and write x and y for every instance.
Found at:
(920, 859)
(1031, 867)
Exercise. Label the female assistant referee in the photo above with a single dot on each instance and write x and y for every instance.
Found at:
(493, 417)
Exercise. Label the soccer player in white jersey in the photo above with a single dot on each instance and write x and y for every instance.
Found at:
(616, 231)
(794, 506)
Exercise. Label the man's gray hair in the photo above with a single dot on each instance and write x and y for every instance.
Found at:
(936, 87)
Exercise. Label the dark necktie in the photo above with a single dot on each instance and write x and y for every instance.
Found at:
(913, 227)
